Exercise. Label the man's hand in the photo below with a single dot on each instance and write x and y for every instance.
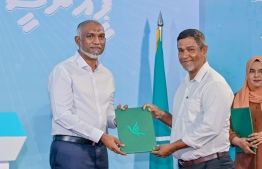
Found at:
(244, 143)
(163, 150)
(112, 143)
(159, 114)
(156, 112)
(119, 107)
(123, 108)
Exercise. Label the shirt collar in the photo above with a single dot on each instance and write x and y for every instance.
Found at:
(201, 73)
(199, 76)
(82, 63)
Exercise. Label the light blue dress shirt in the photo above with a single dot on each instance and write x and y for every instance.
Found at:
(82, 101)
(201, 113)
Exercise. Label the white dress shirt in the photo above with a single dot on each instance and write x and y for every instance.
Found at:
(82, 101)
(201, 113)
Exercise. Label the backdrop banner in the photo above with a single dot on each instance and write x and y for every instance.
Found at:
(38, 34)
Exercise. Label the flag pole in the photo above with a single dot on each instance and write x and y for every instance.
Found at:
(160, 99)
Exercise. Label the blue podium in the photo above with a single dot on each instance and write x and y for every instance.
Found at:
(12, 138)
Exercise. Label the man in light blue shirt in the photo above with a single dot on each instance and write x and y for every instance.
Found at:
(82, 101)
(201, 110)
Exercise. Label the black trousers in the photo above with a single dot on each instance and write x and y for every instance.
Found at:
(219, 163)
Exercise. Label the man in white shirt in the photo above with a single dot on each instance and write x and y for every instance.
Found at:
(201, 110)
(82, 101)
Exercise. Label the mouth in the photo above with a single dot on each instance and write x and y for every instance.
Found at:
(257, 81)
(186, 62)
(96, 50)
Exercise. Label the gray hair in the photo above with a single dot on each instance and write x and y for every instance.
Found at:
(79, 27)
(194, 33)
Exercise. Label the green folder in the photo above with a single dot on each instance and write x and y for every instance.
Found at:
(135, 130)
(242, 124)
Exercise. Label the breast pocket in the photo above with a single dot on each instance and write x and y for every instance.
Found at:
(193, 109)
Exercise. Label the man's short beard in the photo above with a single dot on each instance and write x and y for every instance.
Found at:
(91, 56)
(190, 69)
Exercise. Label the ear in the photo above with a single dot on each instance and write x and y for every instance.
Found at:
(77, 40)
(204, 50)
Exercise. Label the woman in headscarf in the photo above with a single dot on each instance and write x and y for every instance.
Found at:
(250, 95)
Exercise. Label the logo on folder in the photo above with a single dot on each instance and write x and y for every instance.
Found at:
(135, 130)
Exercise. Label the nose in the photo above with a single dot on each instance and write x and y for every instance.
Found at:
(183, 54)
(256, 74)
(96, 40)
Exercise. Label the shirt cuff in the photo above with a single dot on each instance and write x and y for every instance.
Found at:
(115, 122)
(111, 122)
(96, 135)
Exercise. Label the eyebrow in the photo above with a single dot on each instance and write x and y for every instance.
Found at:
(185, 47)
(97, 30)
(92, 33)
(254, 69)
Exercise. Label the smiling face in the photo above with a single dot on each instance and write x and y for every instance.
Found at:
(191, 56)
(91, 39)
(255, 75)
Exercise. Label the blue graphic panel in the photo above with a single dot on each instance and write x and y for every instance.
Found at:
(10, 125)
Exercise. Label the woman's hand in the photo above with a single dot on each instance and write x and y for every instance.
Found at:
(244, 144)
(255, 138)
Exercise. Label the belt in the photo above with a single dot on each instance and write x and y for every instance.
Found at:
(74, 139)
(202, 159)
